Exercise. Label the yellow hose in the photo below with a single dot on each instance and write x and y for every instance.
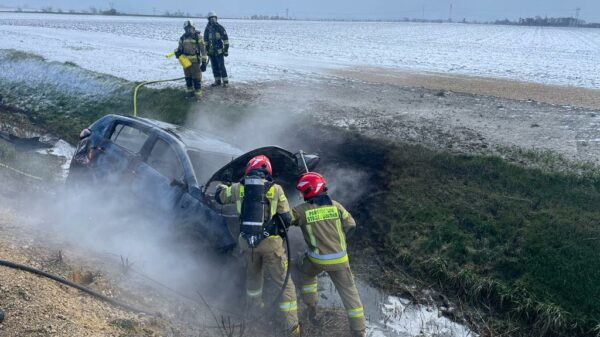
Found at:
(137, 87)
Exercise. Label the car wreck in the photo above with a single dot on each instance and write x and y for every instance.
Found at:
(175, 171)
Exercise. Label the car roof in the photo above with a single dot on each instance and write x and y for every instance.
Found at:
(192, 139)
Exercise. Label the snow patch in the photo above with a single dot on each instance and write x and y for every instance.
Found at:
(61, 149)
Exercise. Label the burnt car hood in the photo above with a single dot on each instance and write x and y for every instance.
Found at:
(287, 166)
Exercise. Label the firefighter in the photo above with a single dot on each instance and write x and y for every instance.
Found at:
(259, 200)
(325, 223)
(217, 44)
(192, 47)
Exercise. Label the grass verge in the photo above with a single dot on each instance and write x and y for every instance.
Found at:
(522, 242)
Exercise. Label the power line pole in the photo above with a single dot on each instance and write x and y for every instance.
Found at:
(450, 14)
(577, 10)
(287, 13)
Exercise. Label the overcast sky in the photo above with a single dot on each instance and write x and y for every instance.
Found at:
(345, 9)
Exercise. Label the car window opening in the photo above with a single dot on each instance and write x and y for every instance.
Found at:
(164, 160)
(129, 138)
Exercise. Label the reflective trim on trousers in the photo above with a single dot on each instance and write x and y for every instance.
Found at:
(253, 293)
(288, 306)
(356, 312)
(310, 288)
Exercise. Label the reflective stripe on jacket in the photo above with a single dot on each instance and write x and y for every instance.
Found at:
(192, 46)
(216, 39)
(324, 228)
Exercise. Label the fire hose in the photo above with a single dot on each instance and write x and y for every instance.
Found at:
(66, 282)
(137, 88)
(288, 270)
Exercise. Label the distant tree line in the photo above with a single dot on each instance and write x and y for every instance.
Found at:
(111, 11)
(548, 22)
(92, 10)
(535, 21)
(267, 17)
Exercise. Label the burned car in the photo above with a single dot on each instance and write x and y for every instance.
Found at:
(174, 171)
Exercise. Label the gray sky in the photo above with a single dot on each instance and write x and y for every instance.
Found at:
(346, 9)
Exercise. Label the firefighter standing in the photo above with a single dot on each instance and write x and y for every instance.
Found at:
(324, 223)
(217, 44)
(192, 47)
(258, 201)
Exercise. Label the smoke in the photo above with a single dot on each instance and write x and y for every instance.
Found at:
(291, 126)
(103, 223)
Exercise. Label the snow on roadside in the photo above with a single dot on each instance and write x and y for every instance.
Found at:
(63, 150)
(392, 316)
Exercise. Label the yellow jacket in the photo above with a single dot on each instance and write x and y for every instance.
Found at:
(324, 228)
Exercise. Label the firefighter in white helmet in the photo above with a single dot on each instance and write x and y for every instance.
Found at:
(192, 47)
(217, 44)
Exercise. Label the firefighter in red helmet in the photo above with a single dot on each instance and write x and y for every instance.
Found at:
(259, 200)
(325, 223)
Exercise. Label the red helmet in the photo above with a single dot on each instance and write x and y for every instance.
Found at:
(259, 162)
(311, 184)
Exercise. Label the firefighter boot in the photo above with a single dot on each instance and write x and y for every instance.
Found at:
(198, 89)
(217, 83)
(358, 333)
(189, 87)
(198, 95)
(312, 314)
(295, 332)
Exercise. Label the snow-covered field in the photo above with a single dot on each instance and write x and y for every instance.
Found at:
(133, 47)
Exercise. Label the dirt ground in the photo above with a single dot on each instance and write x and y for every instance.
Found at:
(450, 113)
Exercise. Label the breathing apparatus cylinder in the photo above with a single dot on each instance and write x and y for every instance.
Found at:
(252, 218)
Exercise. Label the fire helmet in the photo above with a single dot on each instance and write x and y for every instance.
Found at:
(211, 14)
(311, 184)
(189, 23)
(259, 162)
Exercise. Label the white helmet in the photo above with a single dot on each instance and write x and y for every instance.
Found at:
(189, 23)
(211, 14)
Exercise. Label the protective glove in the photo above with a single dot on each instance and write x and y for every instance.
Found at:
(220, 188)
(203, 66)
(226, 53)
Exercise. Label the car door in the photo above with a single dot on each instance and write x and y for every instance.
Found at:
(159, 179)
(120, 152)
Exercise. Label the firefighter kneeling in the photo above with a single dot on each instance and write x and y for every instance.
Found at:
(258, 201)
(324, 223)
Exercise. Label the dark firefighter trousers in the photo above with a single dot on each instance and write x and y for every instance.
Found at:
(193, 79)
(218, 67)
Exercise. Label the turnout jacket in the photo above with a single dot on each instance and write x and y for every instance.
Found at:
(216, 39)
(278, 203)
(324, 226)
(192, 46)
